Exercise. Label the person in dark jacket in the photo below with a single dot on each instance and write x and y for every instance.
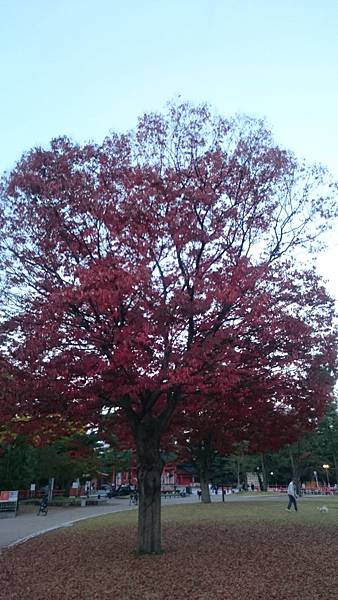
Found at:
(292, 493)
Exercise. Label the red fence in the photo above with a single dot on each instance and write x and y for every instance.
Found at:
(25, 494)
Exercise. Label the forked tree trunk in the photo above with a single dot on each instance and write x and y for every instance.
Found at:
(147, 430)
(150, 466)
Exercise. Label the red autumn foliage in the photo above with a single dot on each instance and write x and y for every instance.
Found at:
(156, 273)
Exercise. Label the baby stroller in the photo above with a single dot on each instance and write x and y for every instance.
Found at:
(43, 507)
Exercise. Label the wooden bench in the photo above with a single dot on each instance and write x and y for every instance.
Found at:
(171, 495)
(92, 502)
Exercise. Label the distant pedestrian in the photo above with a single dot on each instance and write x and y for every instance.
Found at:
(133, 497)
(292, 493)
(199, 494)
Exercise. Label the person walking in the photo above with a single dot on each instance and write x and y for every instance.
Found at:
(292, 493)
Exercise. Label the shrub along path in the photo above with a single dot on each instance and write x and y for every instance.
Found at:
(219, 551)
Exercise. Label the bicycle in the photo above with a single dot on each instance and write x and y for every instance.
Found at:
(43, 507)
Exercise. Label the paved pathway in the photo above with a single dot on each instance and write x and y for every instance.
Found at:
(27, 524)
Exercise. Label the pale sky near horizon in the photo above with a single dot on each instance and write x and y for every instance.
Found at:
(83, 68)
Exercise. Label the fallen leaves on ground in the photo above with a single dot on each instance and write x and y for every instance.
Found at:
(202, 561)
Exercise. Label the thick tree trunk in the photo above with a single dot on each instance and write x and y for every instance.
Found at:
(204, 483)
(147, 430)
(149, 510)
(150, 466)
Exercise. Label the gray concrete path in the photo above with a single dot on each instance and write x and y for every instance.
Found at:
(27, 524)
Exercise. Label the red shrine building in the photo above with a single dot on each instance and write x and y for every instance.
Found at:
(173, 476)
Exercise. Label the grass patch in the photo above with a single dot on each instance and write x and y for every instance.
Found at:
(230, 550)
(229, 512)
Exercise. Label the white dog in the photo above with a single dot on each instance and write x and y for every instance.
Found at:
(323, 509)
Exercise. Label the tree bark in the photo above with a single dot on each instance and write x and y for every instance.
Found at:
(260, 481)
(293, 466)
(147, 430)
(238, 472)
(335, 467)
(150, 467)
(204, 483)
(205, 455)
(264, 476)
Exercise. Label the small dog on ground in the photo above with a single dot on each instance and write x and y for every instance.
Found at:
(323, 509)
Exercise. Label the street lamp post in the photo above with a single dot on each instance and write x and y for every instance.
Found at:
(273, 481)
(316, 478)
(326, 469)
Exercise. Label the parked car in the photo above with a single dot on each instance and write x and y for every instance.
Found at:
(105, 491)
(123, 490)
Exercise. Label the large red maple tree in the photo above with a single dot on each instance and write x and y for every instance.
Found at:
(139, 270)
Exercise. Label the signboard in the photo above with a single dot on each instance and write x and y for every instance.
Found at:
(9, 496)
(252, 479)
(9, 503)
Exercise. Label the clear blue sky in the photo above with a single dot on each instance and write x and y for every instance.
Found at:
(84, 67)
